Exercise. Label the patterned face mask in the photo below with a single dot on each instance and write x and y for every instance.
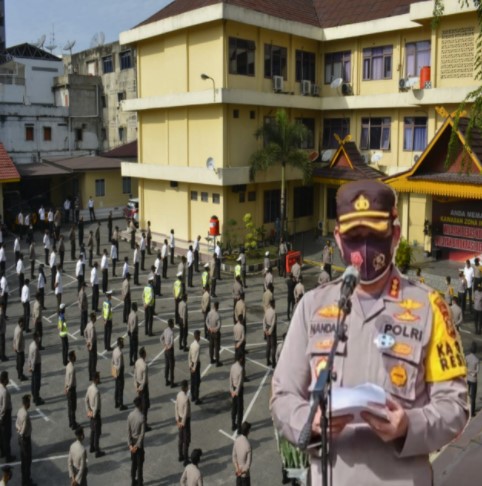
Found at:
(371, 256)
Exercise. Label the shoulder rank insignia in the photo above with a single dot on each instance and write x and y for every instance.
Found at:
(394, 288)
(329, 311)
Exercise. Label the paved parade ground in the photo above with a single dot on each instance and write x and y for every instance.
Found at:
(211, 421)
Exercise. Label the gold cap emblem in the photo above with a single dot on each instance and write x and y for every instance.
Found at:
(362, 203)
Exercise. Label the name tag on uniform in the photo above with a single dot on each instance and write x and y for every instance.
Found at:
(384, 341)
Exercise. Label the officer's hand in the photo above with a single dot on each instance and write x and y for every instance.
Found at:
(337, 424)
(395, 427)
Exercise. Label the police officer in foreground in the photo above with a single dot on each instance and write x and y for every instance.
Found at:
(77, 461)
(24, 431)
(136, 425)
(93, 407)
(400, 337)
(5, 418)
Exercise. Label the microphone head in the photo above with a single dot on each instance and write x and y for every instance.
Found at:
(351, 273)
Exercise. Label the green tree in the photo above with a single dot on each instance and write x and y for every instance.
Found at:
(282, 140)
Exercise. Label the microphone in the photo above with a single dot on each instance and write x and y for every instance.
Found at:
(350, 279)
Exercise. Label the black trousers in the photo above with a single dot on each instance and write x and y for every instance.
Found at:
(149, 317)
(164, 267)
(196, 261)
(26, 315)
(2, 347)
(21, 281)
(473, 396)
(145, 401)
(196, 382)
(62, 258)
(246, 481)
(126, 309)
(133, 345)
(177, 317)
(65, 350)
(20, 363)
(133, 240)
(36, 378)
(478, 321)
(189, 275)
(83, 321)
(92, 362)
(183, 331)
(271, 343)
(72, 250)
(157, 285)
(170, 363)
(213, 287)
(97, 247)
(105, 280)
(218, 268)
(237, 409)
(171, 253)
(25, 446)
(107, 334)
(290, 307)
(6, 434)
(119, 388)
(137, 463)
(114, 263)
(282, 265)
(136, 273)
(32, 269)
(95, 297)
(80, 280)
(143, 259)
(41, 292)
(53, 273)
(184, 439)
(95, 431)
(462, 300)
(46, 257)
(72, 405)
(214, 345)
(91, 257)
(39, 329)
(91, 214)
(328, 269)
(243, 276)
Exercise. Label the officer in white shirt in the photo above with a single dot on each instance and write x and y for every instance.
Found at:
(164, 259)
(58, 288)
(190, 266)
(125, 268)
(16, 248)
(25, 299)
(114, 257)
(47, 246)
(104, 266)
(94, 281)
(142, 247)
(3, 258)
(20, 273)
(53, 267)
(4, 292)
(157, 274)
(172, 245)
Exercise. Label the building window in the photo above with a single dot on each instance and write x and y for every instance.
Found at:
(305, 66)
(79, 135)
(271, 205)
(121, 95)
(100, 187)
(126, 185)
(29, 133)
(375, 133)
(103, 101)
(235, 113)
(242, 197)
(125, 60)
(122, 133)
(332, 127)
(103, 134)
(107, 64)
(204, 197)
(241, 56)
(92, 68)
(47, 134)
(377, 63)
(331, 203)
(338, 65)
(252, 196)
(303, 202)
(417, 56)
(216, 198)
(252, 115)
(309, 123)
(275, 61)
(415, 133)
(193, 195)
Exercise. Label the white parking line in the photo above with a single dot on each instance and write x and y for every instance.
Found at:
(42, 415)
(43, 459)
(13, 385)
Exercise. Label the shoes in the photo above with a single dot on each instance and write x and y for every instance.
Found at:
(91, 450)
(185, 348)
(28, 331)
(131, 363)
(173, 385)
(234, 427)
(247, 380)
(212, 361)
(5, 358)
(117, 405)
(148, 428)
(180, 458)
(168, 382)
(218, 364)
(198, 402)
(122, 408)
(99, 454)
(74, 426)
(151, 334)
(40, 401)
(23, 378)
(41, 348)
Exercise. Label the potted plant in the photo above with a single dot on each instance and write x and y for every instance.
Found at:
(404, 255)
(295, 463)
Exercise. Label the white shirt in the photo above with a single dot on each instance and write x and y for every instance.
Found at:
(136, 256)
(217, 250)
(91, 203)
(20, 267)
(16, 245)
(41, 214)
(40, 281)
(196, 245)
(27, 220)
(79, 270)
(58, 283)
(171, 240)
(20, 218)
(113, 252)
(104, 263)
(469, 275)
(94, 278)
(53, 259)
(25, 294)
(67, 205)
(157, 265)
(143, 244)
(164, 251)
(50, 217)
(3, 258)
(190, 258)
(4, 285)
(125, 269)
(46, 241)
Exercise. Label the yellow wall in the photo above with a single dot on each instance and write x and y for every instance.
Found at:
(417, 216)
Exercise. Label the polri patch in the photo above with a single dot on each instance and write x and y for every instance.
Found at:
(398, 375)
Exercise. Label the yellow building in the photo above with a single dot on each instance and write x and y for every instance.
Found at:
(211, 72)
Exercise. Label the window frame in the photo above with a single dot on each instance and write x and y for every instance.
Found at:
(100, 188)
(305, 66)
(413, 126)
(269, 58)
(418, 51)
(271, 205)
(216, 198)
(309, 143)
(105, 62)
(369, 125)
(370, 54)
(47, 133)
(29, 133)
(204, 196)
(303, 201)
(238, 47)
(332, 126)
(123, 55)
(331, 202)
(331, 59)
(194, 195)
(126, 182)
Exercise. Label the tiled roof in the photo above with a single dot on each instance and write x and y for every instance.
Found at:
(8, 171)
(75, 164)
(40, 170)
(322, 13)
(126, 151)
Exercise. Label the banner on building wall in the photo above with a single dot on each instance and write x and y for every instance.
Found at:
(457, 224)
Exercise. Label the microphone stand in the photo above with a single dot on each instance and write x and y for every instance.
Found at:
(321, 395)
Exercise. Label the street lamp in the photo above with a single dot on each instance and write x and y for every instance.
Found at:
(204, 77)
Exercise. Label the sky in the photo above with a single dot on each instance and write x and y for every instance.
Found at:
(79, 20)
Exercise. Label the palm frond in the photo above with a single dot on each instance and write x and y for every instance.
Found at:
(263, 158)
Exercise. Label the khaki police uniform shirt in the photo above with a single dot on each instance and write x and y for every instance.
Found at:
(132, 322)
(268, 279)
(18, 340)
(213, 321)
(167, 338)
(141, 378)
(299, 291)
(5, 401)
(424, 371)
(70, 377)
(472, 367)
(117, 359)
(327, 254)
(83, 304)
(136, 427)
(92, 400)
(236, 378)
(237, 290)
(33, 355)
(182, 407)
(126, 289)
(205, 301)
(191, 476)
(212, 269)
(37, 311)
(193, 356)
(269, 321)
(23, 423)
(267, 298)
(238, 333)
(457, 316)
(242, 455)
(324, 277)
(240, 309)
(90, 334)
(77, 462)
(296, 271)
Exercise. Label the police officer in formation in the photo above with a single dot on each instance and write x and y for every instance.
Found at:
(167, 340)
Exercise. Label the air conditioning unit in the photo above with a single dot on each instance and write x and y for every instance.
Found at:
(315, 90)
(408, 83)
(277, 84)
(305, 87)
(346, 89)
